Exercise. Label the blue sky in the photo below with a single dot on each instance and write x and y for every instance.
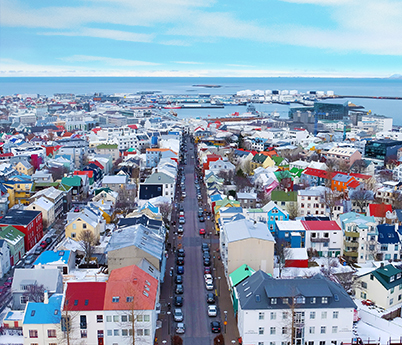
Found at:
(353, 38)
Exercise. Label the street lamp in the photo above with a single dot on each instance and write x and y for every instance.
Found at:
(233, 341)
(219, 286)
(226, 321)
(168, 314)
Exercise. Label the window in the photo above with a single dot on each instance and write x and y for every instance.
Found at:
(146, 318)
(323, 329)
(108, 318)
(323, 315)
(147, 331)
(324, 300)
(322, 342)
(115, 318)
(100, 333)
(335, 314)
(124, 332)
(73, 234)
(284, 315)
(363, 295)
(260, 343)
(364, 285)
(51, 333)
(261, 330)
(273, 300)
(83, 322)
(129, 299)
(273, 316)
(285, 300)
(334, 329)
(115, 299)
(284, 330)
(74, 226)
(392, 290)
(260, 316)
(24, 299)
(116, 332)
(84, 333)
(33, 333)
(312, 314)
(99, 318)
(109, 332)
(312, 330)
(140, 332)
(272, 330)
(84, 226)
(391, 301)
(312, 300)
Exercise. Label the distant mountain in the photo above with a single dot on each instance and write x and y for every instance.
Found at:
(396, 76)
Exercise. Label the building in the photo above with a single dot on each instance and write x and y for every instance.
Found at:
(381, 149)
(63, 260)
(115, 183)
(4, 258)
(108, 149)
(240, 238)
(389, 243)
(247, 200)
(41, 324)
(54, 195)
(87, 219)
(291, 231)
(311, 201)
(325, 237)
(24, 168)
(344, 154)
(158, 184)
(28, 222)
(316, 310)
(15, 242)
(274, 214)
(46, 207)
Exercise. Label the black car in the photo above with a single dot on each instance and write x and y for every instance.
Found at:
(206, 255)
(207, 262)
(178, 301)
(48, 240)
(210, 298)
(180, 261)
(179, 289)
(204, 246)
(179, 280)
(181, 253)
(215, 327)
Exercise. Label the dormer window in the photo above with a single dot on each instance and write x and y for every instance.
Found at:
(398, 276)
(312, 300)
(273, 300)
(324, 300)
(391, 279)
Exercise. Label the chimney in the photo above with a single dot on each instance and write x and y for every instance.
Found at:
(382, 265)
(46, 297)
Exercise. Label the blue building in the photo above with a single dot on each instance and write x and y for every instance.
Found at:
(292, 231)
(274, 213)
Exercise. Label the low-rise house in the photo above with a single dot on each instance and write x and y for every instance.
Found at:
(42, 176)
(389, 243)
(239, 238)
(90, 218)
(383, 286)
(76, 183)
(222, 164)
(108, 149)
(311, 201)
(45, 206)
(63, 260)
(325, 237)
(286, 200)
(360, 237)
(345, 154)
(274, 214)
(315, 310)
(158, 184)
(41, 324)
(115, 183)
(54, 195)
(26, 221)
(291, 231)
(341, 182)
(51, 279)
(247, 200)
(19, 192)
(105, 195)
(4, 258)
(15, 242)
(24, 167)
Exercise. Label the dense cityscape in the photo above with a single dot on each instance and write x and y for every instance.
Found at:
(123, 223)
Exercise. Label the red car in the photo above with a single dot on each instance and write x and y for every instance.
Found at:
(43, 244)
(207, 270)
(8, 282)
(202, 231)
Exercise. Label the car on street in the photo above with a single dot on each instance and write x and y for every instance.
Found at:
(212, 310)
(180, 261)
(178, 279)
(179, 289)
(202, 219)
(209, 286)
(20, 264)
(48, 240)
(180, 229)
(210, 298)
(8, 282)
(182, 220)
(208, 278)
(204, 246)
(181, 253)
(3, 290)
(206, 254)
(181, 208)
(43, 244)
(207, 262)
(215, 327)
(202, 231)
(183, 194)
(180, 328)
(180, 270)
(178, 315)
(178, 301)
(207, 269)
(38, 250)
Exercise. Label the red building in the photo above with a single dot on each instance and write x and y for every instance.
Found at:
(28, 222)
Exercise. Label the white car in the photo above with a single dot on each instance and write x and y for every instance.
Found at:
(178, 315)
(212, 310)
(208, 278)
(209, 285)
(180, 229)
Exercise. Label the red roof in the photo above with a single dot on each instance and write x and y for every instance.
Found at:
(89, 173)
(97, 164)
(130, 281)
(324, 174)
(379, 210)
(9, 154)
(96, 130)
(132, 126)
(317, 225)
(85, 296)
(354, 184)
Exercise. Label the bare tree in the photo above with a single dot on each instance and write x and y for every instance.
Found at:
(346, 280)
(293, 210)
(343, 166)
(282, 253)
(358, 166)
(58, 172)
(165, 210)
(227, 175)
(396, 200)
(178, 340)
(34, 293)
(87, 241)
(125, 200)
(242, 183)
(329, 264)
(331, 165)
(329, 199)
(361, 198)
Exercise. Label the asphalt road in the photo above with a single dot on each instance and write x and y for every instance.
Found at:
(195, 306)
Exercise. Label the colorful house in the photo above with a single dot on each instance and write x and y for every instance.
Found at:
(15, 241)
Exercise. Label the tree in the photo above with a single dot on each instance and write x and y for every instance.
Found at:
(227, 175)
(396, 200)
(58, 172)
(360, 198)
(87, 241)
(346, 280)
(358, 166)
(177, 340)
(329, 199)
(282, 253)
(343, 166)
(125, 199)
(165, 210)
(242, 183)
(331, 165)
(327, 269)
(219, 340)
(293, 210)
(34, 293)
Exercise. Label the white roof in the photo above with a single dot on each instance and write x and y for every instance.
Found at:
(44, 203)
(290, 225)
(297, 253)
(117, 179)
(244, 229)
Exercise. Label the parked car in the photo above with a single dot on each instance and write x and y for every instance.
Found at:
(212, 310)
(178, 315)
(180, 328)
(202, 219)
(8, 282)
(43, 244)
(38, 250)
(204, 246)
(209, 285)
(48, 240)
(3, 289)
(210, 298)
(207, 262)
(178, 301)
(179, 289)
(181, 253)
(207, 269)
(202, 231)
(208, 278)
(215, 326)
(182, 220)
(178, 279)
(180, 269)
(180, 229)
(180, 261)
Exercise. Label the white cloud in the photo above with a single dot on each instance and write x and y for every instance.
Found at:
(104, 33)
(112, 62)
(188, 62)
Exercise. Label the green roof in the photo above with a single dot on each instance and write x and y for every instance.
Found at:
(11, 234)
(240, 274)
(107, 146)
(383, 275)
(255, 210)
(104, 189)
(282, 174)
(296, 171)
(280, 195)
(278, 160)
(259, 158)
(72, 181)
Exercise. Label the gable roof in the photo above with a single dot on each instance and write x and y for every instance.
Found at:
(387, 234)
(51, 257)
(326, 225)
(44, 313)
(240, 274)
(85, 296)
(379, 210)
(11, 234)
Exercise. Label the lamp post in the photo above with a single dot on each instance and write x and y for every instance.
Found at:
(168, 315)
(210, 239)
(219, 286)
(226, 321)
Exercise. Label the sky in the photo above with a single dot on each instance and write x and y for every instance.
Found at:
(206, 38)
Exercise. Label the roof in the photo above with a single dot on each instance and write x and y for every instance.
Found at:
(160, 178)
(44, 203)
(44, 313)
(379, 210)
(280, 195)
(115, 179)
(257, 290)
(240, 274)
(290, 225)
(49, 278)
(244, 229)
(130, 281)
(72, 181)
(51, 257)
(387, 234)
(11, 234)
(85, 296)
(326, 225)
(19, 217)
(384, 273)
(107, 147)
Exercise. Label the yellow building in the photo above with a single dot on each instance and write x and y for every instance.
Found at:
(19, 192)
(227, 203)
(24, 168)
(81, 222)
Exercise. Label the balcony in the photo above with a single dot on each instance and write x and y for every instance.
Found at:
(351, 244)
(352, 234)
(350, 253)
(319, 239)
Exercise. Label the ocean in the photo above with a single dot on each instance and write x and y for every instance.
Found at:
(227, 86)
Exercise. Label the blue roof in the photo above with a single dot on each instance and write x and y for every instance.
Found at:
(216, 197)
(387, 234)
(41, 313)
(49, 256)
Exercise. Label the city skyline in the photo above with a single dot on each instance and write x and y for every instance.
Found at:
(188, 38)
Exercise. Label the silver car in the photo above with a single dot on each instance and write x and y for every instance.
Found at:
(180, 328)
